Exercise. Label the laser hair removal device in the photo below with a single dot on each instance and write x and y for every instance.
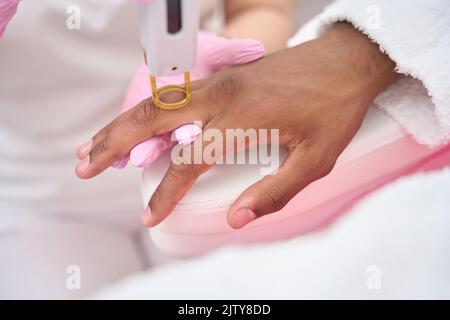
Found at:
(168, 30)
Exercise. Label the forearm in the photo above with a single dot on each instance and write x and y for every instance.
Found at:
(264, 20)
(370, 70)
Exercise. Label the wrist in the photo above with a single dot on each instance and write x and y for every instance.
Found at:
(371, 70)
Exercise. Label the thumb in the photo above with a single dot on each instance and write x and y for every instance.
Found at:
(273, 192)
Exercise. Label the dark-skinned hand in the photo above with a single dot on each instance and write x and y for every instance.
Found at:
(316, 94)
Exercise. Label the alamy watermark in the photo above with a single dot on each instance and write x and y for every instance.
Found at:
(73, 21)
(373, 21)
(373, 281)
(73, 281)
(232, 146)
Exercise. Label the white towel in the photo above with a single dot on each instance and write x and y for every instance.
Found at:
(393, 245)
(416, 35)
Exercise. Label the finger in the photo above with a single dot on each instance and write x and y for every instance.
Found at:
(301, 167)
(177, 181)
(84, 149)
(148, 151)
(179, 178)
(131, 128)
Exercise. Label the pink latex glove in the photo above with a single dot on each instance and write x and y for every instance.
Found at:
(7, 10)
(214, 53)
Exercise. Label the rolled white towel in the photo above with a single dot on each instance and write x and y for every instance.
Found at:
(416, 35)
(393, 245)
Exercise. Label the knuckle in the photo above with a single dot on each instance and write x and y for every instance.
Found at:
(109, 128)
(329, 157)
(226, 87)
(101, 147)
(324, 164)
(172, 96)
(106, 131)
(320, 160)
(157, 196)
(293, 142)
(176, 172)
(144, 113)
(276, 197)
(327, 167)
(162, 194)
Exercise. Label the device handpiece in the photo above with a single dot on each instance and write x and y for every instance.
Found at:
(168, 30)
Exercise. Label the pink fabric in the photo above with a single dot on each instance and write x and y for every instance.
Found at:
(214, 53)
(7, 10)
(192, 230)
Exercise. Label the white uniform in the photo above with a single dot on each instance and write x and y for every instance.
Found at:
(58, 87)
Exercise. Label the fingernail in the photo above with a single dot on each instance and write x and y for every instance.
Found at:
(146, 216)
(242, 217)
(83, 165)
(84, 149)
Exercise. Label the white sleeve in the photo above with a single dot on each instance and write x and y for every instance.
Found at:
(416, 35)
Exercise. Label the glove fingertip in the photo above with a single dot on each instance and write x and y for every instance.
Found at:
(244, 51)
(141, 156)
(147, 152)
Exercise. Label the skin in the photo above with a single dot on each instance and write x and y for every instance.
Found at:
(267, 21)
(316, 94)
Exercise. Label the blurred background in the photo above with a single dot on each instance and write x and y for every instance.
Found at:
(65, 67)
(58, 85)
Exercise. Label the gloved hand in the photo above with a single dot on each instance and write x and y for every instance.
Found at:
(7, 10)
(214, 53)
